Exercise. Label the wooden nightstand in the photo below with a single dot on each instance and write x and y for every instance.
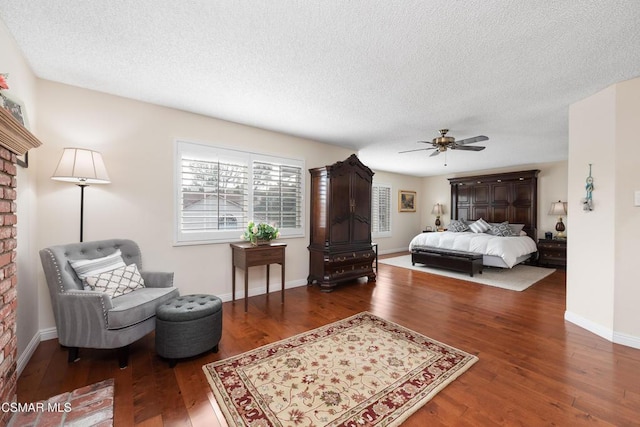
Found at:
(552, 252)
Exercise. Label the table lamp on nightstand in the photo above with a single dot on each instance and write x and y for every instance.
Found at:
(559, 209)
(438, 210)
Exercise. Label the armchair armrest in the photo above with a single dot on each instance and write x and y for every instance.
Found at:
(157, 279)
(82, 315)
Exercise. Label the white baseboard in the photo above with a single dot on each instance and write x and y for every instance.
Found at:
(393, 251)
(41, 335)
(23, 359)
(601, 331)
(628, 340)
(274, 287)
(48, 334)
(589, 325)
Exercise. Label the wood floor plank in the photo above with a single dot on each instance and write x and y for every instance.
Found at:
(534, 369)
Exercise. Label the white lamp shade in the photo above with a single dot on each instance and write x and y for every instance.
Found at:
(438, 209)
(81, 166)
(558, 208)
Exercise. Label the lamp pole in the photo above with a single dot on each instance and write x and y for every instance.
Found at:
(82, 185)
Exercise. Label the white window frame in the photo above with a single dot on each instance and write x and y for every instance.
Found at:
(376, 233)
(210, 152)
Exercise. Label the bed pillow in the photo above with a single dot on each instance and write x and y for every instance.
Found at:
(480, 226)
(501, 229)
(457, 226)
(117, 282)
(516, 229)
(92, 267)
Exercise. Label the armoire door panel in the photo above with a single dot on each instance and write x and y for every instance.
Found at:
(361, 218)
(340, 211)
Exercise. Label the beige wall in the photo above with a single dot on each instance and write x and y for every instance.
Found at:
(552, 186)
(136, 140)
(22, 86)
(602, 280)
(627, 215)
(404, 225)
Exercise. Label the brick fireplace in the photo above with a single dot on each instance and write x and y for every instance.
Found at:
(14, 139)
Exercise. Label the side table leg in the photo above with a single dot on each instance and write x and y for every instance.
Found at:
(246, 289)
(233, 283)
(282, 292)
(268, 279)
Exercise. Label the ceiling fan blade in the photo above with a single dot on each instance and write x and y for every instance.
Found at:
(467, 148)
(418, 149)
(472, 140)
(435, 153)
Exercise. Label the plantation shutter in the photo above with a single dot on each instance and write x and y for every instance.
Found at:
(219, 190)
(214, 194)
(277, 194)
(380, 208)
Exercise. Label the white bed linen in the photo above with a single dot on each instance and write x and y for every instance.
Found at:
(507, 248)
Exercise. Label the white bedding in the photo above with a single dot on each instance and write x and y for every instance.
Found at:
(507, 248)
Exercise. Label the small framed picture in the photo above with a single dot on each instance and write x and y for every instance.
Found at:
(428, 228)
(17, 110)
(406, 201)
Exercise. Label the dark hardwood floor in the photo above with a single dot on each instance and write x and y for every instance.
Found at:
(534, 369)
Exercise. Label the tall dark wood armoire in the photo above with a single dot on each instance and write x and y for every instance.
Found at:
(340, 245)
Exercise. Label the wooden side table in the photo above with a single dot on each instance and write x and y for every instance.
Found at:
(245, 255)
(552, 252)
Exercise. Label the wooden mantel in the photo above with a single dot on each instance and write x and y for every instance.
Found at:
(15, 137)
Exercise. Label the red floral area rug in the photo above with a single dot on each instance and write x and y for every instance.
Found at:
(360, 371)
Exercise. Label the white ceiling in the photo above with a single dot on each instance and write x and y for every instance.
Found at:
(373, 76)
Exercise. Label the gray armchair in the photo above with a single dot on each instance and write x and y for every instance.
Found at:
(92, 319)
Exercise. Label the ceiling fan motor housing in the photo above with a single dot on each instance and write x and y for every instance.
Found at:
(443, 141)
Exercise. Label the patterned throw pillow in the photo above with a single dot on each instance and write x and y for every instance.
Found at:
(480, 226)
(117, 282)
(501, 229)
(457, 226)
(92, 267)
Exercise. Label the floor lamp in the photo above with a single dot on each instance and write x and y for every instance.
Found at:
(81, 167)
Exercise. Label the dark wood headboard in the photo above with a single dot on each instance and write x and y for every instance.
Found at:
(500, 197)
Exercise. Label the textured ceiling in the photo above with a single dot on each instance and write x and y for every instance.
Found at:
(374, 76)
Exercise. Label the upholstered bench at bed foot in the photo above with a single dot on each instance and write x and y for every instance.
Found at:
(187, 326)
(464, 262)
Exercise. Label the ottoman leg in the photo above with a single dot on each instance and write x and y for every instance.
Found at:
(172, 363)
(214, 349)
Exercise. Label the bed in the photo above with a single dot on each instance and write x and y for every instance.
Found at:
(497, 251)
(499, 199)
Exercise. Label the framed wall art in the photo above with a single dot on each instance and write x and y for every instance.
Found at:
(18, 111)
(15, 107)
(406, 201)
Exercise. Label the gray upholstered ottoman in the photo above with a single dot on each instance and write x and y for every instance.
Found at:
(187, 326)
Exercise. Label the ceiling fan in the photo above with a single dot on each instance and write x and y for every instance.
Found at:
(444, 142)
